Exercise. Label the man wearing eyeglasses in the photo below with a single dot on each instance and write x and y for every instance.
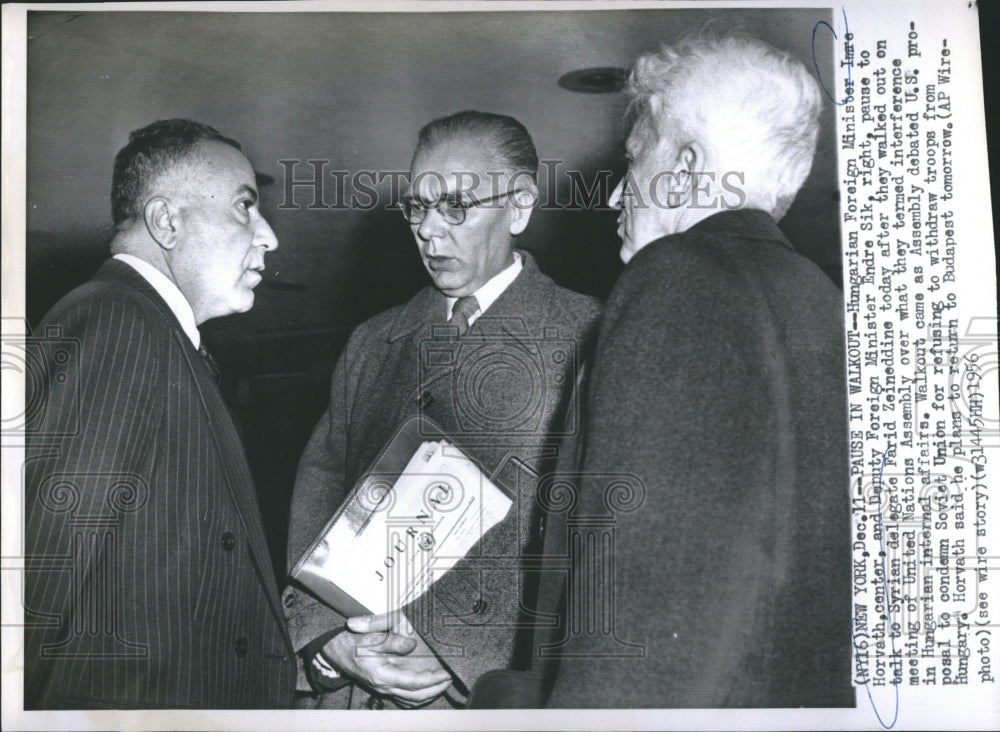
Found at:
(504, 395)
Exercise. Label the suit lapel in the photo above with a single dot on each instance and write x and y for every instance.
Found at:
(526, 300)
(420, 329)
(426, 346)
(229, 447)
(523, 301)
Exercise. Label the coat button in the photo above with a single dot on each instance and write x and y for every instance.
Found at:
(479, 606)
(289, 599)
(241, 645)
(375, 702)
(228, 541)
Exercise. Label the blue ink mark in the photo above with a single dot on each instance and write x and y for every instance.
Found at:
(888, 608)
(850, 60)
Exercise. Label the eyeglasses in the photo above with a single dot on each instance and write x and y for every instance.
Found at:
(451, 208)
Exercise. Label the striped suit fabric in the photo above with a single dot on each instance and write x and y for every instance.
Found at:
(148, 579)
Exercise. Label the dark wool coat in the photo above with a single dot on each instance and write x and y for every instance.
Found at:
(149, 582)
(715, 448)
(503, 392)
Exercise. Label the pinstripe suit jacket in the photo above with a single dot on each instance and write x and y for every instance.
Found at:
(148, 579)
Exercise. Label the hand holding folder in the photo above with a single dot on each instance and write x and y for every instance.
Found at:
(389, 658)
(413, 516)
(402, 527)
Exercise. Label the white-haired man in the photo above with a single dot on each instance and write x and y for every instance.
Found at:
(718, 384)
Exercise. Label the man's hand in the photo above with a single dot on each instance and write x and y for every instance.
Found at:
(386, 655)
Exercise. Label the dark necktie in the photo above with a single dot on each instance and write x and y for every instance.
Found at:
(210, 362)
(465, 308)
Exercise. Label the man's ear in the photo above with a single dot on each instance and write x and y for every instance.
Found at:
(688, 169)
(161, 221)
(522, 204)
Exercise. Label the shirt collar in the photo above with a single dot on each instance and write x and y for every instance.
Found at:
(494, 288)
(171, 295)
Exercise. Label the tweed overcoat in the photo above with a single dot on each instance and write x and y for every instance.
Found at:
(503, 392)
(148, 583)
(714, 450)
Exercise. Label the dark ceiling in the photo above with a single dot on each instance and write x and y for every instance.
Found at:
(353, 89)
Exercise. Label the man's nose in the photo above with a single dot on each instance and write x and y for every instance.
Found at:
(263, 235)
(615, 200)
(433, 225)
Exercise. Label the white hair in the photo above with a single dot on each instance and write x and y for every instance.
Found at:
(755, 107)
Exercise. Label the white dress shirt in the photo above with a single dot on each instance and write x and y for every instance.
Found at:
(494, 288)
(166, 289)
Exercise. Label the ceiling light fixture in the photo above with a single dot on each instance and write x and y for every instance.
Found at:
(595, 80)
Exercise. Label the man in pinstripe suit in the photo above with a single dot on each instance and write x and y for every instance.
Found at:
(148, 579)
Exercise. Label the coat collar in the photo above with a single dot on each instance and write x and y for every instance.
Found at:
(117, 271)
(168, 290)
(429, 306)
(742, 223)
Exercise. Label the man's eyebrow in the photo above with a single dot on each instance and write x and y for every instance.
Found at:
(247, 190)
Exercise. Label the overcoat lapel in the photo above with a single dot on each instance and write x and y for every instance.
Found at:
(425, 350)
(239, 481)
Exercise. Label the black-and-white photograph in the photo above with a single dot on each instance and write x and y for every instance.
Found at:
(604, 260)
